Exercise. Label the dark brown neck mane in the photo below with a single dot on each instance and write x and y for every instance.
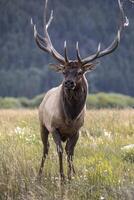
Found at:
(74, 100)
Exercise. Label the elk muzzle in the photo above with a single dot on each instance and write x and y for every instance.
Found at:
(69, 84)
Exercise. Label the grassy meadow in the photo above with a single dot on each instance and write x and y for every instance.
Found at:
(104, 170)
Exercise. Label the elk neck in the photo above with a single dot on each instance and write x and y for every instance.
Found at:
(73, 101)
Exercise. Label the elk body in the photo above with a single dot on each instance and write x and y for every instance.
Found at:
(62, 110)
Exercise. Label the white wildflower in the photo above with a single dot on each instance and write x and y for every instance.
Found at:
(30, 138)
(92, 138)
(27, 140)
(102, 198)
(128, 147)
(107, 134)
(20, 131)
(86, 170)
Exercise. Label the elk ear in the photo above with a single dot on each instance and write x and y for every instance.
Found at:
(57, 67)
(90, 66)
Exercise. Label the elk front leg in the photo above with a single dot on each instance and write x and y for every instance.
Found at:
(70, 145)
(44, 137)
(57, 140)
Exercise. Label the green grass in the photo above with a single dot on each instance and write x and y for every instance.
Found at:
(103, 170)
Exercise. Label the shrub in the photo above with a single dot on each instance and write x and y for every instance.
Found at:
(31, 103)
(25, 102)
(9, 103)
(35, 102)
(94, 101)
(128, 154)
(104, 100)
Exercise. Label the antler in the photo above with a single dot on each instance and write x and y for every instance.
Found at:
(132, 1)
(45, 43)
(123, 22)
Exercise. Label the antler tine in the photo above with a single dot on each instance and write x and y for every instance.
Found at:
(53, 52)
(92, 57)
(50, 20)
(65, 52)
(36, 34)
(78, 52)
(132, 1)
(45, 13)
(45, 43)
(46, 24)
(38, 38)
(123, 22)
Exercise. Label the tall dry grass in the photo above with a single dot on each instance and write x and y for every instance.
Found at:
(102, 171)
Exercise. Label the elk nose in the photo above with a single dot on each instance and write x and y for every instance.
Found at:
(69, 84)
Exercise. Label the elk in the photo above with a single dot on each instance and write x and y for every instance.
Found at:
(63, 108)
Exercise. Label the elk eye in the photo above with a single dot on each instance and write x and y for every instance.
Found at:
(80, 72)
(64, 73)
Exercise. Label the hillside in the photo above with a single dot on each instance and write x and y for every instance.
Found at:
(24, 68)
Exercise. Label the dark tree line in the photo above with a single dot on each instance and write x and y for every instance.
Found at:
(24, 68)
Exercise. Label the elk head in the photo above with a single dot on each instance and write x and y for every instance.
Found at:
(73, 70)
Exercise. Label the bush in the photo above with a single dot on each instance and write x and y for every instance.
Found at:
(31, 103)
(128, 154)
(6, 103)
(25, 102)
(104, 100)
(94, 101)
(35, 102)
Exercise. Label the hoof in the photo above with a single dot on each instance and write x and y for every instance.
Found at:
(62, 178)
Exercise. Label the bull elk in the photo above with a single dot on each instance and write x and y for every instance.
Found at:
(62, 110)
